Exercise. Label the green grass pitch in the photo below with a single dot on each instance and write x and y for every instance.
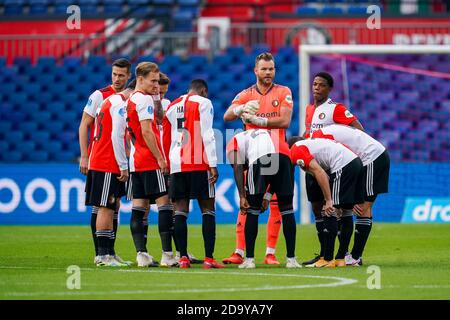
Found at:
(413, 261)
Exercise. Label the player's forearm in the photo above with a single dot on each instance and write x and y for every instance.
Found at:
(209, 142)
(233, 113)
(83, 139)
(159, 112)
(324, 184)
(119, 149)
(278, 122)
(238, 170)
(150, 140)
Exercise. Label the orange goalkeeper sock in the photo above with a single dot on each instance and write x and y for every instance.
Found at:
(240, 234)
(273, 225)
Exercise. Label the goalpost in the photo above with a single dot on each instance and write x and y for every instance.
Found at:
(306, 51)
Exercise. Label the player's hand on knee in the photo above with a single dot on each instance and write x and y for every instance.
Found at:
(265, 205)
(243, 205)
(328, 208)
(358, 209)
(251, 107)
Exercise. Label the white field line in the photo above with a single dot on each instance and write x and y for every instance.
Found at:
(338, 281)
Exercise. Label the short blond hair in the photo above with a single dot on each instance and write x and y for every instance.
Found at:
(144, 68)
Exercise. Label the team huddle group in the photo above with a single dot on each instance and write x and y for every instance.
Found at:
(159, 152)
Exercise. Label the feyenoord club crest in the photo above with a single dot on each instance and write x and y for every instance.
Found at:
(322, 116)
(275, 103)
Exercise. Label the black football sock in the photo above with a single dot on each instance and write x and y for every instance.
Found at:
(172, 232)
(94, 228)
(289, 231)
(181, 232)
(330, 232)
(103, 241)
(111, 241)
(145, 224)
(251, 232)
(209, 232)
(137, 228)
(345, 234)
(363, 226)
(320, 235)
(165, 214)
(115, 227)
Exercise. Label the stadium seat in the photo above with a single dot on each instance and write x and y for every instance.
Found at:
(5, 126)
(88, 2)
(37, 156)
(46, 62)
(41, 137)
(55, 128)
(13, 7)
(96, 60)
(307, 10)
(357, 10)
(28, 127)
(38, 7)
(63, 156)
(22, 61)
(42, 117)
(4, 147)
(7, 88)
(166, 2)
(188, 2)
(25, 146)
(13, 156)
(237, 51)
(67, 117)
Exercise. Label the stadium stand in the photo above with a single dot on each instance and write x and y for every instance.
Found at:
(420, 116)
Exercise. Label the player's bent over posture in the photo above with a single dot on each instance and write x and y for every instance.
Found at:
(375, 159)
(339, 174)
(267, 166)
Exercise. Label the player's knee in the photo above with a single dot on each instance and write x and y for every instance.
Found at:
(254, 211)
(165, 207)
(317, 209)
(285, 205)
(209, 212)
(181, 214)
(347, 213)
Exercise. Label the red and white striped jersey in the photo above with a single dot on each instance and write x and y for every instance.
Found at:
(140, 107)
(108, 146)
(189, 140)
(330, 155)
(326, 114)
(253, 144)
(93, 105)
(365, 147)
